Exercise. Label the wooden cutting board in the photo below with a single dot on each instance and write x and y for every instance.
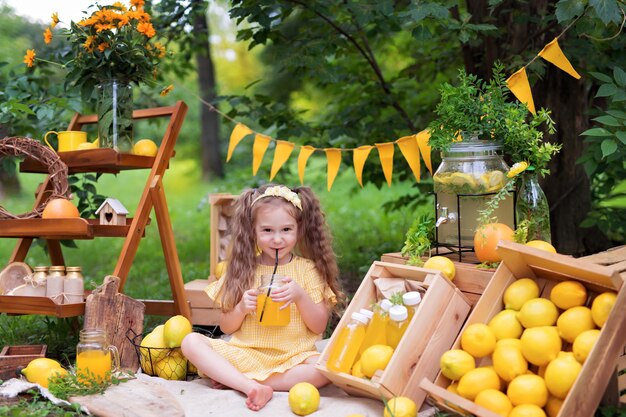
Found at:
(132, 398)
(116, 313)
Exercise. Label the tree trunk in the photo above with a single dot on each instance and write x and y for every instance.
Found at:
(209, 136)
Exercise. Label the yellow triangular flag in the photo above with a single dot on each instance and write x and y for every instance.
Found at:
(409, 148)
(281, 154)
(385, 153)
(422, 141)
(305, 152)
(239, 132)
(333, 155)
(358, 159)
(519, 86)
(261, 142)
(552, 53)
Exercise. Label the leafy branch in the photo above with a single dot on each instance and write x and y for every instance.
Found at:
(419, 239)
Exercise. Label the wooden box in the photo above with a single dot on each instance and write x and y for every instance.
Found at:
(432, 331)
(547, 269)
(14, 357)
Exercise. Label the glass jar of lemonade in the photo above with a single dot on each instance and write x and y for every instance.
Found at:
(269, 312)
(95, 358)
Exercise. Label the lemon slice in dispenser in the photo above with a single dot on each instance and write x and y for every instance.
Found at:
(460, 178)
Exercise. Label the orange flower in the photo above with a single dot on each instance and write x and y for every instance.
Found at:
(119, 5)
(103, 46)
(47, 36)
(29, 58)
(162, 51)
(146, 28)
(138, 4)
(55, 20)
(88, 45)
(167, 90)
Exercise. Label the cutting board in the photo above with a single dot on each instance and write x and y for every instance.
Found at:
(132, 398)
(116, 313)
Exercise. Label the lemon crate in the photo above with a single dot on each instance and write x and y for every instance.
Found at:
(547, 269)
(432, 331)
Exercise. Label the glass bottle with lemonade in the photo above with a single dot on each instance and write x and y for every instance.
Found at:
(346, 348)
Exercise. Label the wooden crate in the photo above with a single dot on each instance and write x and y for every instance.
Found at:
(520, 261)
(437, 321)
(14, 357)
(469, 279)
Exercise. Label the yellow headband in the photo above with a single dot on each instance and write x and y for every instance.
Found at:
(282, 192)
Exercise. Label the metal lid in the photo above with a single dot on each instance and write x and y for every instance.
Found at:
(41, 269)
(411, 298)
(398, 313)
(359, 317)
(73, 269)
(56, 268)
(472, 147)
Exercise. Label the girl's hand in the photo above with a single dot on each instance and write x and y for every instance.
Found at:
(289, 292)
(248, 301)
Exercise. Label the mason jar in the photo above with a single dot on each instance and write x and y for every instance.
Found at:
(269, 312)
(95, 358)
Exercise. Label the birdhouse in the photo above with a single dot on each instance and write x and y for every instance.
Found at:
(112, 212)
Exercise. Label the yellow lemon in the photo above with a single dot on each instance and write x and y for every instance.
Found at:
(528, 389)
(443, 264)
(357, 370)
(374, 358)
(553, 406)
(455, 363)
(39, 370)
(175, 330)
(400, 407)
(494, 400)
(145, 147)
(568, 294)
(527, 410)
(561, 374)
(573, 322)
(152, 350)
(538, 312)
(541, 245)
(86, 145)
(519, 292)
(453, 388)
(477, 380)
(304, 398)
(583, 344)
(601, 307)
(220, 269)
(172, 367)
(509, 362)
(505, 325)
(459, 179)
(52, 372)
(478, 340)
(509, 342)
(191, 368)
(540, 344)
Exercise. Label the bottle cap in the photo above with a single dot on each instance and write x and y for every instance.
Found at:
(367, 313)
(359, 317)
(411, 298)
(398, 313)
(385, 304)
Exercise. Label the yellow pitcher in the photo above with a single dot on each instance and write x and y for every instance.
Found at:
(69, 140)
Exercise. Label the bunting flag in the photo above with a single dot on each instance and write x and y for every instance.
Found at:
(333, 155)
(239, 132)
(359, 157)
(519, 86)
(422, 142)
(385, 153)
(552, 53)
(281, 154)
(305, 152)
(261, 142)
(410, 150)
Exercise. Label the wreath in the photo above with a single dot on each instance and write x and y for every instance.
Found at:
(57, 170)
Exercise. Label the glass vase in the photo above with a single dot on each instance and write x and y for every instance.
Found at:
(115, 115)
(532, 205)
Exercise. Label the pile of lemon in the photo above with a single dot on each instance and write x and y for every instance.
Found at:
(160, 352)
(536, 345)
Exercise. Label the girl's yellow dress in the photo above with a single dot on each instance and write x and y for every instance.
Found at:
(259, 351)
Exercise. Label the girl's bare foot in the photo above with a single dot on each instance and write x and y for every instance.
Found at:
(258, 397)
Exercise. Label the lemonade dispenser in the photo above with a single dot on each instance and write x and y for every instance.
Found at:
(471, 171)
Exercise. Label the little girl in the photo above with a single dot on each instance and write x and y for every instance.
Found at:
(273, 225)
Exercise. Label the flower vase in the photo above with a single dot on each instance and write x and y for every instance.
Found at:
(115, 115)
(532, 205)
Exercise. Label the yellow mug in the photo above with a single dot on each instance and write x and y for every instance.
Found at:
(69, 140)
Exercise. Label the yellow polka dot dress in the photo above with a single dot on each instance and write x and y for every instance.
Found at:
(259, 351)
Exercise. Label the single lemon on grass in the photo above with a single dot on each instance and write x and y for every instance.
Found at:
(602, 306)
(494, 400)
(540, 345)
(527, 410)
(356, 370)
(568, 294)
(478, 340)
(509, 362)
(477, 380)
(304, 398)
(553, 406)
(400, 407)
(528, 389)
(519, 292)
(145, 147)
(573, 322)
(505, 325)
(538, 312)
(583, 344)
(455, 363)
(173, 367)
(443, 264)
(541, 245)
(561, 374)
(175, 330)
(509, 342)
(374, 358)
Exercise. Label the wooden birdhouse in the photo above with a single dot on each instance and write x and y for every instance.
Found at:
(112, 212)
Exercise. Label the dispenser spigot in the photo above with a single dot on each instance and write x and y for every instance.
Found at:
(445, 217)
